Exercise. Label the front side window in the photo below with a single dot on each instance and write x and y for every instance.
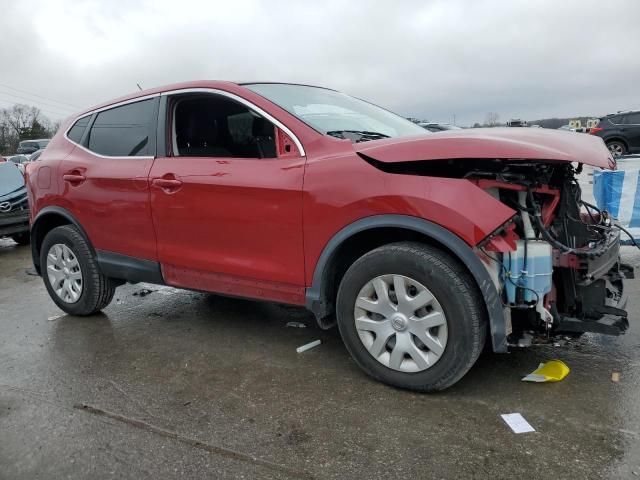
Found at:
(124, 131)
(212, 125)
(336, 114)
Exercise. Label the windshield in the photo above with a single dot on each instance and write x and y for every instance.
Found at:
(334, 113)
(10, 178)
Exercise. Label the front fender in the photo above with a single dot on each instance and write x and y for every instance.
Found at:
(316, 294)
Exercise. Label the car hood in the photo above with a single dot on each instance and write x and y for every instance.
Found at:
(492, 143)
(10, 178)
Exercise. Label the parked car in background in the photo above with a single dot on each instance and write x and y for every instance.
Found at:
(567, 127)
(516, 122)
(35, 155)
(419, 246)
(30, 146)
(19, 160)
(438, 127)
(14, 207)
(620, 132)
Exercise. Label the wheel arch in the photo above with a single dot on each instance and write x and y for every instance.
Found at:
(368, 233)
(617, 138)
(46, 220)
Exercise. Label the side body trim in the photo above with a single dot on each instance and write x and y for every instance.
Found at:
(321, 306)
(131, 269)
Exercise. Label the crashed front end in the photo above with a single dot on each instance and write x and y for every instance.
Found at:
(556, 262)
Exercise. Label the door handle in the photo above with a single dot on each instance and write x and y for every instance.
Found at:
(74, 178)
(170, 184)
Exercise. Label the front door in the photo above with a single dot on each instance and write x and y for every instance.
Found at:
(227, 208)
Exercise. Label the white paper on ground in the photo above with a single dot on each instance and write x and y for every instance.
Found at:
(517, 423)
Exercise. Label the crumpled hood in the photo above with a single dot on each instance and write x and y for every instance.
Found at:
(492, 143)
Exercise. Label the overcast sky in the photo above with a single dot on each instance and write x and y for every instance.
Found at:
(427, 59)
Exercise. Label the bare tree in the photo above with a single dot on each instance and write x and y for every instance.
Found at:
(491, 119)
(21, 122)
(20, 117)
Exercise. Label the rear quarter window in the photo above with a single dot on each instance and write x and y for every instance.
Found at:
(75, 132)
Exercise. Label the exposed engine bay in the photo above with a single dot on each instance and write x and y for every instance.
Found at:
(556, 261)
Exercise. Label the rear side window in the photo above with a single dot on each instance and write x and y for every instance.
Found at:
(633, 119)
(124, 131)
(617, 119)
(75, 133)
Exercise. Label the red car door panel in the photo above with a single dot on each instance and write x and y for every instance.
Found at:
(110, 198)
(232, 225)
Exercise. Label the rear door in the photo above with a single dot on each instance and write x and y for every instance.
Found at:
(227, 206)
(105, 178)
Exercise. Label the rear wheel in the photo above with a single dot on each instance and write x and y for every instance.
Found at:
(411, 316)
(21, 238)
(617, 148)
(71, 274)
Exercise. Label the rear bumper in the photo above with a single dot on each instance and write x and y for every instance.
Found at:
(12, 223)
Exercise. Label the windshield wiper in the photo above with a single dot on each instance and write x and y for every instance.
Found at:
(357, 135)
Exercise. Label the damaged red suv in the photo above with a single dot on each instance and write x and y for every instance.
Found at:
(421, 247)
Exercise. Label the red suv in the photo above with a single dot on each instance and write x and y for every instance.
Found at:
(419, 246)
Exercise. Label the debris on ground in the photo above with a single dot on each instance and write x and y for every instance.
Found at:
(296, 325)
(308, 346)
(615, 377)
(517, 423)
(53, 317)
(31, 271)
(551, 371)
(143, 292)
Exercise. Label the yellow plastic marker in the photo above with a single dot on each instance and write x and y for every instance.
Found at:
(552, 371)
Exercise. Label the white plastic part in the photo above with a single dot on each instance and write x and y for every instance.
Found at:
(308, 346)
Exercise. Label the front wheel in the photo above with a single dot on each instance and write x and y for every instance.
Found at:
(71, 274)
(411, 316)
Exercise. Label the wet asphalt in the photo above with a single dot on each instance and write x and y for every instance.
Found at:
(177, 384)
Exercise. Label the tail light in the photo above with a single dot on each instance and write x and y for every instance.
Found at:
(595, 130)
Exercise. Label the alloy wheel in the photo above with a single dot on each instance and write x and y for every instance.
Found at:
(616, 149)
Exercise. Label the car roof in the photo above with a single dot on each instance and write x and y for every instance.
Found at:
(219, 84)
(621, 113)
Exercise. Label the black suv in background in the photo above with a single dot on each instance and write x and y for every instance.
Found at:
(620, 131)
(14, 207)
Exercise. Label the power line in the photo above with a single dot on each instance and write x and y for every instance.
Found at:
(58, 115)
(38, 102)
(39, 96)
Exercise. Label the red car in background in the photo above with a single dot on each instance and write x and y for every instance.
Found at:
(419, 246)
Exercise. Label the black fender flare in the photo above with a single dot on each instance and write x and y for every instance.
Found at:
(315, 294)
(37, 224)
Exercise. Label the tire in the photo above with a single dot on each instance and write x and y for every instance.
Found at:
(455, 296)
(617, 148)
(96, 291)
(21, 238)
